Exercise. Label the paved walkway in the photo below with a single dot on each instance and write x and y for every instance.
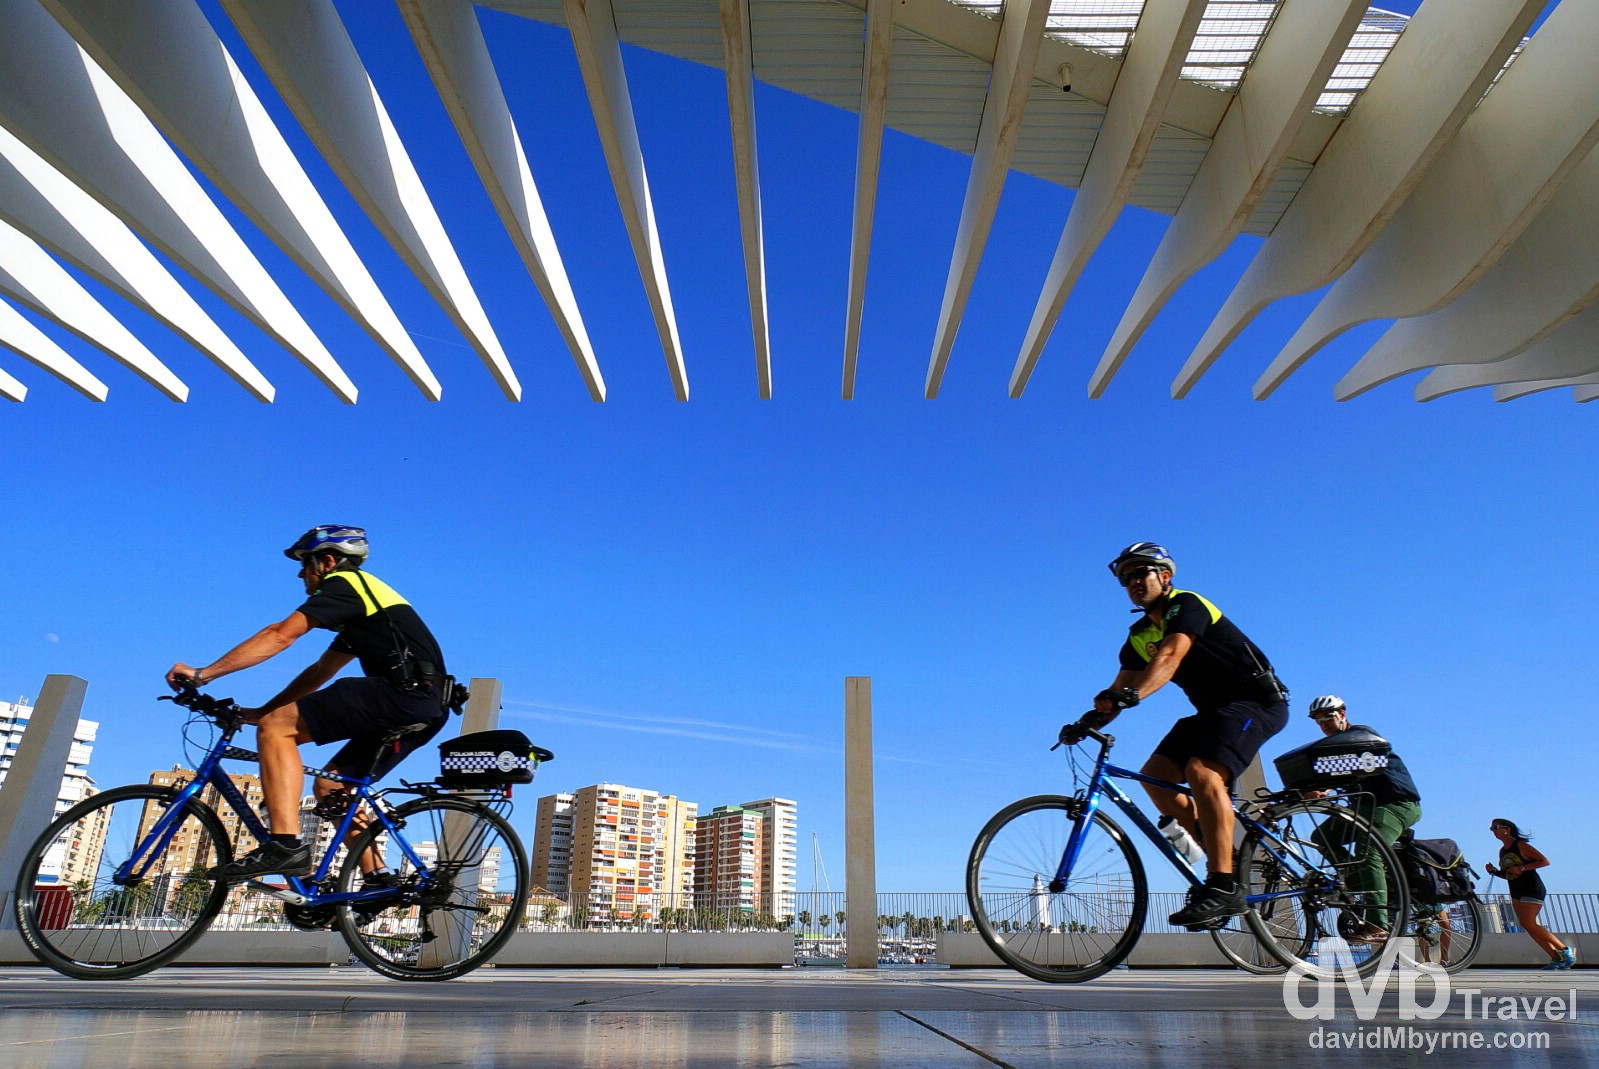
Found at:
(706, 1019)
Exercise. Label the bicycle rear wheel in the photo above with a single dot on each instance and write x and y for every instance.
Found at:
(1050, 932)
(1240, 945)
(470, 904)
(1330, 879)
(90, 908)
(1448, 934)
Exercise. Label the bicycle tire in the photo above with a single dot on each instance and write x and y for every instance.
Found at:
(425, 938)
(1458, 942)
(120, 930)
(1324, 902)
(1065, 936)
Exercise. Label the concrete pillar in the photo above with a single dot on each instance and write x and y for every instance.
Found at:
(860, 827)
(482, 713)
(28, 797)
(1250, 780)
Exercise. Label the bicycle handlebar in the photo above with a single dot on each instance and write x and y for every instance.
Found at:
(1083, 731)
(224, 712)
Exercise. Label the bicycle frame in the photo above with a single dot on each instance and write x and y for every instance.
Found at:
(302, 891)
(1101, 785)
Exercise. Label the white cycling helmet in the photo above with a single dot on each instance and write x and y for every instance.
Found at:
(329, 538)
(1152, 552)
(1327, 703)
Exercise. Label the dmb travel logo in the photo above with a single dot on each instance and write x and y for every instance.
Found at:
(1455, 1018)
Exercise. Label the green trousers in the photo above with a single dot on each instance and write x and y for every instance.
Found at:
(1366, 873)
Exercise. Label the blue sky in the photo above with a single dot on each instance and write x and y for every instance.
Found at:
(673, 594)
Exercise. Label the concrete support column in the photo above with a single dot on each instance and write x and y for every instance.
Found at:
(860, 827)
(482, 713)
(28, 797)
(1252, 779)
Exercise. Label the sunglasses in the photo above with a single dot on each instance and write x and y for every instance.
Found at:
(1135, 575)
(1326, 716)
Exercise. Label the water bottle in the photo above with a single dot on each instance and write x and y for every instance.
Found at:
(1181, 841)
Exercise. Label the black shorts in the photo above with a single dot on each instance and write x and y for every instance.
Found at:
(1230, 735)
(1528, 887)
(363, 709)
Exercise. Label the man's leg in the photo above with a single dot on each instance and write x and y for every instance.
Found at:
(369, 859)
(1389, 823)
(1213, 800)
(278, 735)
(1173, 804)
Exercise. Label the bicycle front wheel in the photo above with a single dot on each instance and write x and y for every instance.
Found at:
(117, 885)
(1326, 891)
(1056, 931)
(458, 914)
(1448, 934)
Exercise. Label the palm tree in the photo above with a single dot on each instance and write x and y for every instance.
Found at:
(804, 917)
(193, 893)
(839, 916)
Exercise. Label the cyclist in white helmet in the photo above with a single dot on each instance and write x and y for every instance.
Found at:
(402, 682)
(1389, 802)
(1239, 703)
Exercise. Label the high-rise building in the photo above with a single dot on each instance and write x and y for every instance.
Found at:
(778, 864)
(626, 851)
(552, 844)
(74, 856)
(728, 843)
(318, 831)
(188, 849)
(488, 878)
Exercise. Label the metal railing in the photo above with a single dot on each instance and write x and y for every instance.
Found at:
(908, 924)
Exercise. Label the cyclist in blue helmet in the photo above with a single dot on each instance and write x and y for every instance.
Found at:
(1180, 637)
(402, 683)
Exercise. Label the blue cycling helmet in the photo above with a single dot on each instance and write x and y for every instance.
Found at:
(329, 538)
(1152, 552)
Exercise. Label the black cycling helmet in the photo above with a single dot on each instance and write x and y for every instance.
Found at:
(1152, 552)
(329, 538)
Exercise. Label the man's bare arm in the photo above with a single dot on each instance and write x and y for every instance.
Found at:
(312, 679)
(264, 644)
(1168, 655)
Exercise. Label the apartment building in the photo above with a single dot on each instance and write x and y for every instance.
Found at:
(778, 865)
(728, 844)
(191, 847)
(488, 873)
(625, 851)
(75, 856)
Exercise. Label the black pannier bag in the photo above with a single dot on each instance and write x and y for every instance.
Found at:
(1334, 760)
(489, 759)
(1436, 870)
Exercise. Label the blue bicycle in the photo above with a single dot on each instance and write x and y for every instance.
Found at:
(121, 883)
(1058, 891)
